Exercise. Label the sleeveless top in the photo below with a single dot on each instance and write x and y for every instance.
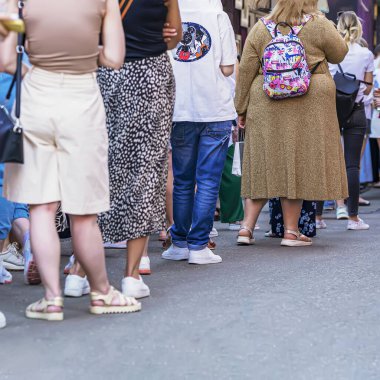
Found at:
(63, 36)
(143, 26)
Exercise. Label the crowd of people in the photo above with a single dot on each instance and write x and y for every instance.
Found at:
(130, 111)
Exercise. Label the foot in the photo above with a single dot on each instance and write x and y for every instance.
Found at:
(204, 256)
(364, 202)
(69, 265)
(113, 302)
(211, 245)
(245, 236)
(48, 310)
(214, 233)
(321, 224)
(341, 213)
(357, 225)
(131, 287)
(5, 276)
(76, 286)
(176, 253)
(3, 321)
(13, 258)
(162, 236)
(295, 239)
(121, 245)
(144, 267)
(31, 274)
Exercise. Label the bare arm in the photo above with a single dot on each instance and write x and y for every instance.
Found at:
(173, 20)
(113, 52)
(227, 70)
(368, 77)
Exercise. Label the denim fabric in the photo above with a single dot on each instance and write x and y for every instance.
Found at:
(9, 212)
(199, 153)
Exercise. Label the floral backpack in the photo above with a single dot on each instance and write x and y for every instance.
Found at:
(286, 72)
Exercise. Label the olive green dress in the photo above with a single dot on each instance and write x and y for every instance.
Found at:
(293, 147)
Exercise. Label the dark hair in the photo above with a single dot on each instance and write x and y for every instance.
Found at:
(377, 50)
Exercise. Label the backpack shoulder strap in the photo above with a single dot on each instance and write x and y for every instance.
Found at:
(270, 25)
(297, 29)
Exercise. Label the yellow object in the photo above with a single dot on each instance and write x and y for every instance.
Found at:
(17, 25)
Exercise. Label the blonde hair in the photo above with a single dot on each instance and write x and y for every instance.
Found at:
(293, 11)
(350, 27)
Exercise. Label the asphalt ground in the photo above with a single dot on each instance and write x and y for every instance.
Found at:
(266, 312)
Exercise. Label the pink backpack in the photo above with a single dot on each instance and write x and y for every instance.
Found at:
(285, 69)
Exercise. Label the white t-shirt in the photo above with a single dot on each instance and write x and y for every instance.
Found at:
(358, 61)
(203, 92)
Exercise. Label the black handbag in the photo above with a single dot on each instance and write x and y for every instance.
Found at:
(11, 132)
(347, 89)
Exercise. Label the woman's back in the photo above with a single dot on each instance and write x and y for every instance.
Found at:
(63, 36)
(143, 26)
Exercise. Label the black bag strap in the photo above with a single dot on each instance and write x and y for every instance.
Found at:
(17, 78)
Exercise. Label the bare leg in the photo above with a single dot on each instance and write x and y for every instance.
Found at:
(340, 203)
(135, 251)
(45, 246)
(145, 254)
(89, 251)
(19, 228)
(252, 212)
(77, 270)
(292, 212)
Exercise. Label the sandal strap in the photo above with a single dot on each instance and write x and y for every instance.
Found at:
(43, 304)
(108, 298)
(297, 234)
(245, 228)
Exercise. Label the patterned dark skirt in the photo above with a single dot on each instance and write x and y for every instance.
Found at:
(307, 222)
(139, 102)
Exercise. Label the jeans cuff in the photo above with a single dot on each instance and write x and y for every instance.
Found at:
(180, 243)
(194, 247)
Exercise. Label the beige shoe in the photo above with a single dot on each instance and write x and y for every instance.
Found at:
(300, 241)
(245, 236)
(39, 309)
(113, 303)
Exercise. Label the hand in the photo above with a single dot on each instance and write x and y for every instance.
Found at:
(235, 135)
(377, 102)
(3, 32)
(168, 33)
(241, 121)
(376, 93)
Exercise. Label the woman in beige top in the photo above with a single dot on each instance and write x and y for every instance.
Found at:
(66, 142)
(292, 148)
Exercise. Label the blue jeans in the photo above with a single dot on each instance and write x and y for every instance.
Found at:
(9, 212)
(199, 154)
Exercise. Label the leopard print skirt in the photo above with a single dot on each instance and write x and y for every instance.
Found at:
(139, 102)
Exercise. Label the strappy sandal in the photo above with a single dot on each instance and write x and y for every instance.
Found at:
(125, 304)
(40, 309)
(244, 239)
(211, 245)
(301, 241)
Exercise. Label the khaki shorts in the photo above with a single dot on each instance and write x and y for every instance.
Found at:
(65, 144)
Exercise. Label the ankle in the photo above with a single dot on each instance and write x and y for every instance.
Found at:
(354, 218)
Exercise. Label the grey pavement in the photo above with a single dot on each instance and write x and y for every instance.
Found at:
(265, 313)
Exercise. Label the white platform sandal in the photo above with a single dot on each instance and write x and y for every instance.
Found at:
(301, 241)
(244, 239)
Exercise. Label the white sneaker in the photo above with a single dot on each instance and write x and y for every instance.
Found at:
(5, 276)
(357, 226)
(321, 224)
(234, 226)
(69, 265)
(3, 321)
(134, 288)
(176, 253)
(76, 286)
(14, 261)
(144, 267)
(204, 256)
(214, 233)
(121, 245)
(341, 213)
